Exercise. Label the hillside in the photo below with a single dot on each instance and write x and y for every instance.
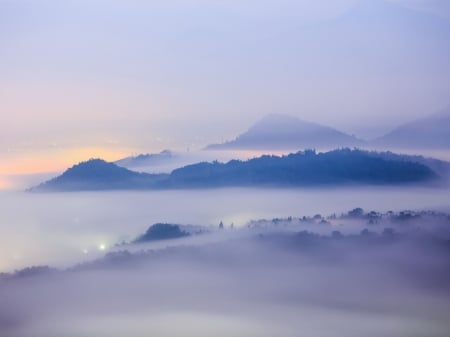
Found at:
(146, 160)
(97, 174)
(339, 167)
(303, 169)
(432, 132)
(282, 132)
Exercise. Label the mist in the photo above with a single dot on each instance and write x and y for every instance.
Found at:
(365, 253)
(255, 281)
(82, 222)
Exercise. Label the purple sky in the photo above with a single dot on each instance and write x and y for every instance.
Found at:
(92, 78)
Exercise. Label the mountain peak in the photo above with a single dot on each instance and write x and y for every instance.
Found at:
(278, 117)
(431, 132)
(442, 113)
(92, 167)
(282, 120)
(285, 132)
(96, 174)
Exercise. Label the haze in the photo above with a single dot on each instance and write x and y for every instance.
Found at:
(85, 221)
(270, 279)
(105, 79)
(339, 238)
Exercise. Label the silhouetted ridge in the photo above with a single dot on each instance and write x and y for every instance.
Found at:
(97, 174)
(432, 132)
(149, 159)
(300, 169)
(96, 169)
(278, 131)
(303, 168)
(161, 231)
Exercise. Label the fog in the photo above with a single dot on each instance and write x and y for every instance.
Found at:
(294, 262)
(63, 228)
(109, 79)
(254, 282)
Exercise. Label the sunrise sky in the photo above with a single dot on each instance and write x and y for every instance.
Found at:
(97, 78)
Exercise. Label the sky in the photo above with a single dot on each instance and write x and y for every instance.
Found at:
(99, 78)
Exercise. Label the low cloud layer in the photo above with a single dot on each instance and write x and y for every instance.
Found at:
(267, 280)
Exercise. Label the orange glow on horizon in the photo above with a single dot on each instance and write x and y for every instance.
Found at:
(6, 184)
(46, 162)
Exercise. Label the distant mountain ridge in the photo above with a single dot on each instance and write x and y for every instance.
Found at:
(144, 160)
(284, 132)
(432, 132)
(338, 167)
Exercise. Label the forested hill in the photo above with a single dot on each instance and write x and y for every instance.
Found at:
(303, 168)
(306, 168)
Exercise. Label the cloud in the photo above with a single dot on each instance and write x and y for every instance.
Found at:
(254, 282)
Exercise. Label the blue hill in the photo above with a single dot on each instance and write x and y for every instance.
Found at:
(161, 231)
(97, 174)
(308, 168)
(302, 169)
(277, 131)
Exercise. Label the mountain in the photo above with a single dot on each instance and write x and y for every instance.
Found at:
(146, 160)
(442, 168)
(282, 132)
(97, 174)
(432, 132)
(338, 167)
(161, 231)
(307, 168)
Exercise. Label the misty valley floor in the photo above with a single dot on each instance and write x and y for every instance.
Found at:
(350, 274)
(271, 284)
